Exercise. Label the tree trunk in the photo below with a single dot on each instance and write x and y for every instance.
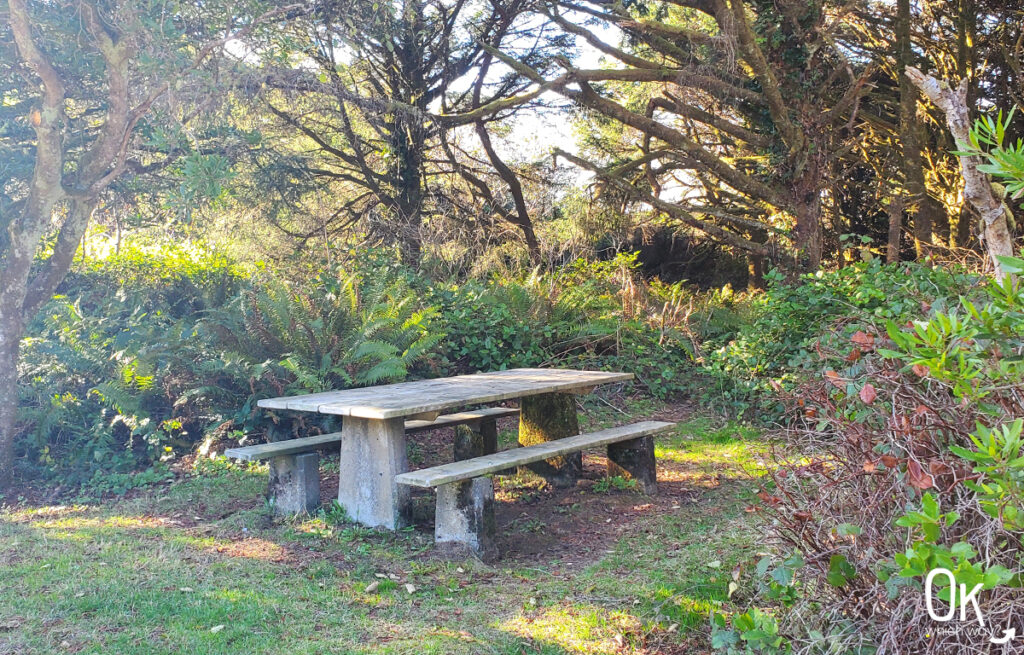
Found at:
(926, 213)
(892, 248)
(977, 186)
(962, 232)
(10, 338)
(808, 216)
(755, 272)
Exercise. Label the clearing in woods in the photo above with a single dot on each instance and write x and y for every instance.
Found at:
(198, 566)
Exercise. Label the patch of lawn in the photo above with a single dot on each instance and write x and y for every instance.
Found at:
(198, 566)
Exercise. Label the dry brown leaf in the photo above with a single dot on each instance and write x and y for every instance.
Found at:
(917, 477)
(868, 393)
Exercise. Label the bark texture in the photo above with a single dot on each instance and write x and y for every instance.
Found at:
(977, 186)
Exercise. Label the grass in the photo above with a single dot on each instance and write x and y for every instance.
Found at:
(197, 566)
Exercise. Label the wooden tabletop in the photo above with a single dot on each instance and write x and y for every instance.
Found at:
(422, 396)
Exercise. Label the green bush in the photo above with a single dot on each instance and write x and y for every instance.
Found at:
(156, 352)
(776, 344)
(150, 352)
(585, 315)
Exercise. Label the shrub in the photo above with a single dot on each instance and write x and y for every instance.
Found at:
(912, 461)
(777, 342)
(585, 315)
(150, 352)
(157, 352)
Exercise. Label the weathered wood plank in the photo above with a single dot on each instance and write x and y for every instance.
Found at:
(409, 398)
(460, 418)
(478, 466)
(278, 448)
(292, 446)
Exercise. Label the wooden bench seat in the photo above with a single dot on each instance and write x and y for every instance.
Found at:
(464, 515)
(294, 463)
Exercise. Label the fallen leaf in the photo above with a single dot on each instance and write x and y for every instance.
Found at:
(863, 339)
(889, 461)
(409, 588)
(868, 393)
(372, 587)
(185, 589)
(715, 564)
(920, 370)
(217, 628)
(869, 466)
(802, 515)
(834, 378)
(732, 589)
(917, 477)
(769, 499)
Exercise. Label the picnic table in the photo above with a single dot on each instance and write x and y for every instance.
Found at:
(373, 441)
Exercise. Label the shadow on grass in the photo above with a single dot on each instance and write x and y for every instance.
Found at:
(200, 567)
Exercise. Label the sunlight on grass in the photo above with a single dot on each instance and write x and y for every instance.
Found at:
(577, 629)
(730, 450)
(81, 523)
(38, 513)
(155, 572)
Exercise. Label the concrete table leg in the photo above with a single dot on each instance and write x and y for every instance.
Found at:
(489, 431)
(634, 460)
(469, 443)
(547, 417)
(294, 486)
(464, 518)
(372, 454)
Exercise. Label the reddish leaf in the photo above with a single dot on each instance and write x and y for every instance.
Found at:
(802, 515)
(834, 378)
(920, 410)
(920, 370)
(768, 499)
(868, 393)
(854, 355)
(862, 339)
(889, 461)
(937, 467)
(869, 466)
(917, 477)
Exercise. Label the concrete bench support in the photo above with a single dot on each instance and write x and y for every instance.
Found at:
(464, 517)
(634, 460)
(294, 479)
(294, 486)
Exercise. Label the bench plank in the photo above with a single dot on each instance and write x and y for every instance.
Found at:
(281, 448)
(305, 444)
(479, 466)
(460, 418)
